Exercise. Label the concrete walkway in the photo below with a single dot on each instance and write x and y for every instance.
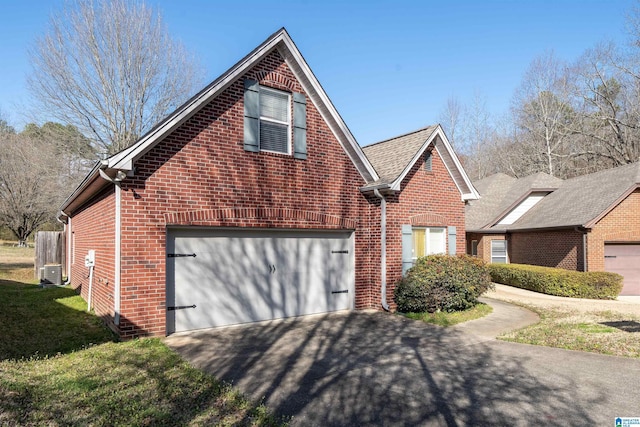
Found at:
(624, 304)
(361, 369)
(505, 317)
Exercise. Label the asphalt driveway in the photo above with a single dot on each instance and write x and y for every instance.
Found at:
(359, 368)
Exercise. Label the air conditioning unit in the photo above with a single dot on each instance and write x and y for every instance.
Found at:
(52, 274)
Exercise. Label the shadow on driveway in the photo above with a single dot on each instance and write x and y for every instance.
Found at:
(358, 368)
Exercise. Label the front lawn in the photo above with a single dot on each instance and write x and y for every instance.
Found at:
(449, 319)
(603, 332)
(59, 365)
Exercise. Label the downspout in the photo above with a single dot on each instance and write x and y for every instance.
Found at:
(383, 249)
(118, 250)
(584, 247)
(69, 237)
(584, 251)
(120, 175)
(68, 232)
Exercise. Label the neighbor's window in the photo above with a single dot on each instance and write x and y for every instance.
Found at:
(499, 251)
(274, 120)
(429, 241)
(474, 248)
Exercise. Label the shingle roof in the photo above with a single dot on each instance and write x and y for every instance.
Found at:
(581, 200)
(499, 193)
(576, 202)
(390, 157)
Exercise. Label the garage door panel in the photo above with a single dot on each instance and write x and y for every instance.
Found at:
(624, 259)
(239, 276)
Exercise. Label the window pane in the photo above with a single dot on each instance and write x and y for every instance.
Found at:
(418, 243)
(474, 247)
(274, 105)
(273, 137)
(499, 251)
(437, 243)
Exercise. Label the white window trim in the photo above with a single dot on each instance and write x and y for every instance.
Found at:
(426, 243)
(506, 251)
(474, 243)
(268, 119)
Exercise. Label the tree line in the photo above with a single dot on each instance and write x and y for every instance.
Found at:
(103, 73)
(565, 119)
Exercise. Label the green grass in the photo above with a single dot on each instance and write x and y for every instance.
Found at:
(59, 365)
(572, 330)
(43, 322)
(137, 383)
(450, 319)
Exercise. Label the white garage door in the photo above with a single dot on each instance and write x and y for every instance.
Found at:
(225, 277)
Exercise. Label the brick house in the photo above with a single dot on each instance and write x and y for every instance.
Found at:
(253, 201)
(587, 223)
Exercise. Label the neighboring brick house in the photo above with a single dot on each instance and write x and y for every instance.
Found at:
(253, 201)
(587, 223)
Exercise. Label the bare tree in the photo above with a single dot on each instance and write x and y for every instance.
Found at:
(110, 68)
(608, 89)
(450, 118)
(543, 113)
(29, 186)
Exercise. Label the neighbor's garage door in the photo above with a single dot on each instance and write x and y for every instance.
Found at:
(226, 277)
(624, 259)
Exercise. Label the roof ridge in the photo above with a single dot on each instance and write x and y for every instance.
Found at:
(609, 170)
(402, 135)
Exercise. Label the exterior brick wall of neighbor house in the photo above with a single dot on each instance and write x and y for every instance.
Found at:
(622, 224)
(200, 175)
(484, 244)
(560, 249)
(93, 227)
(428, 198)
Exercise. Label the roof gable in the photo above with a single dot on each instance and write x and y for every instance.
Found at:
(281, 41)
(285, 46)
(395, 157)
(502, 194)
(577, 202)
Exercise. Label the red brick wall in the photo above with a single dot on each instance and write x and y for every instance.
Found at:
(561, 249)
(93, 227)
(484, 244)
(622, 224)
(203, 170)
(428, 198)
(200, 175)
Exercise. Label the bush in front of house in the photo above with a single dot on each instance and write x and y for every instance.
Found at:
(442, 283)
(557, 281)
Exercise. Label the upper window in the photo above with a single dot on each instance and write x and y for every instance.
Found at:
(274, 120)
(499, 251)
(428, 161)
(429, 241)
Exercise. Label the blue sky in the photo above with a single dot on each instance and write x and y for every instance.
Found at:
(389, 67)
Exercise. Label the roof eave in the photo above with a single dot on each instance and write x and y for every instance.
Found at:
(628, 191)
(470, 194)
(287, 48)
(89, 186)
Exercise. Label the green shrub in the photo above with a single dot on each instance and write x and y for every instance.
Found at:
(442, 283)
(557, 281)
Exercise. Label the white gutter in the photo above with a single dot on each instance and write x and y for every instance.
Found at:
(383, 249)
(118, 249)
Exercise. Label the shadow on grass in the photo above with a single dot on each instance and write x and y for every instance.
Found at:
(624, 325)
(41, 322)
